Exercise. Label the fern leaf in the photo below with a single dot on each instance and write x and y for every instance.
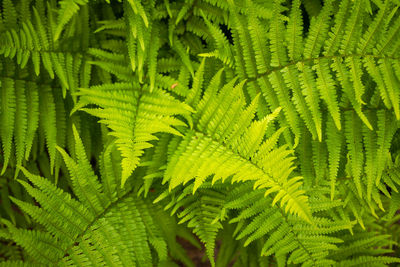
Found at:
(319, 160)
(307, 82)
(391, 83)
(202, 212)
(278, 51)
(333, 143)
(318, 31)
(180, 50)
(236, 157)
(83, 178)
(387, 43)
(243, 37)
(374, 30)
(8, 109)
(373, 70)
(352, 29)
(370, 162)
(222, 44)
(337, 31)
(291, 78)
(384, 260)
(153, 51)
(39, 245)
(276, 79)
(297, 242)
(48, 123)
(353, 140)
(138, 9)
(354, 65)
(21, 122)
(259, 41)
(134, 117)
(295, 28)
(44, 43)
(131, 41)
(73, 234)
(194, 95)
(386, 129)
(326, 86)
(344, 77)
(32, 101)
(10, 14)
(68, 8)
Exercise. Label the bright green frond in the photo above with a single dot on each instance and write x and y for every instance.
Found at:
(238, 154)
(134, 115)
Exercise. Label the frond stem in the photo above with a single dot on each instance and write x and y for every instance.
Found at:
(305, 60)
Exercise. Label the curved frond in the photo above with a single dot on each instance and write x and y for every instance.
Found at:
(226, 144)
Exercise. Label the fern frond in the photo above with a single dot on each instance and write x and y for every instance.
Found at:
(282, 91)
(352, 31)
(311, 96)
(291, 78)
(370, 261)
(231, 146)
(338, 29)
(10, 14)
(223, 48)
(387, 44)
(268, 130)
(68, 8)
(21, 119)
(31, 42)
(354, 144)
(385, 132)
(85, 231)
(278, 51)
(370, 154)
(334, 146)
(327, 88)
(375, 30)
(296, 242)
(203, 212)
(318, 31)
(48, 120)
(360, 249)
(294, 32)
(259, 41)
(134, 115)
(244, 42)
(391, 83)
(8, 106)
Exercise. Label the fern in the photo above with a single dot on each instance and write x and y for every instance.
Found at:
(256, 133)
(99, 219)
(134, 116)
(233, 146)
(287, 237)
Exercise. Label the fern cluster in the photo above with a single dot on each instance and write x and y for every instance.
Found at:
(265, 132)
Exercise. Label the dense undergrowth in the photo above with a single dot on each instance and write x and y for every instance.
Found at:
(265, 132)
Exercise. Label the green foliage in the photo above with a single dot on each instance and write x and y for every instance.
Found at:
(265, 131)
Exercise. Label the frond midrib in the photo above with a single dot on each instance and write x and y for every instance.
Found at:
(196, 130)
(305, 60)
(102, 214)
(310, 255)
